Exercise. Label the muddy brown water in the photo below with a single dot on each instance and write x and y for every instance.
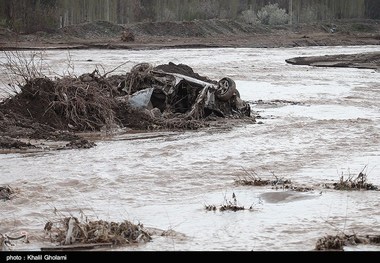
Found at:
(316, 125)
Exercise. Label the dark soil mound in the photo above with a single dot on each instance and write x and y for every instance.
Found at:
(64, 103)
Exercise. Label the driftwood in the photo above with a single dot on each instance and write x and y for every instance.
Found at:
(77, 247)
(6, 241)
(84, 235)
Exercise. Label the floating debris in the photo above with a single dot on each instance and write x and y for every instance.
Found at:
(6, 192)
(338, 242)
(251, 178)
(7, 242)
(228, 206)
(351, 183)
(71, 232)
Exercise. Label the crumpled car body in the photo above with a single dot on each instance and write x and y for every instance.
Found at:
(181, 94)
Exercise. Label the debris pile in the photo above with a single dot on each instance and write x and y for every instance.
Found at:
(338, 242)
(228, 205)
(351, 183)
(146, 98)
(251, 178)
(70, 231)
(8, 242)
(6, 193)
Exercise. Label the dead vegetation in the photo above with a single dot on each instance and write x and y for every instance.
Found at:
(70, 233)
(251, 178)
(329, 242)
(353, 183)
(74, 233)
(66, 103)
(228, 205)
(338, 242)
(8, 242)
(6, 193)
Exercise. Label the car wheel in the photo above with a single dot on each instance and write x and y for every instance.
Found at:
(142, 68)
(226, 89)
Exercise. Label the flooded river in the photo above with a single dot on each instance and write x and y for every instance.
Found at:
(316, 125)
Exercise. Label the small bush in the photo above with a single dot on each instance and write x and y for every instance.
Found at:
(249, 17)
(273, 15)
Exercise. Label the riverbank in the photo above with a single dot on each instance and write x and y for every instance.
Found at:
(196, 34)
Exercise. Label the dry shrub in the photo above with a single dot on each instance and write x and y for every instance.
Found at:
(251, 178)
(249, 17)
(84, 105)
(23, 66)
(6, 192)
(352, 183)
(272, 14)
(228, 205)
(338, 242)
(70, 231)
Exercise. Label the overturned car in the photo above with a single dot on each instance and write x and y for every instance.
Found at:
(176, 89)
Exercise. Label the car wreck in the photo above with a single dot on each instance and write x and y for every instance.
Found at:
(163, 90)
(147, 98)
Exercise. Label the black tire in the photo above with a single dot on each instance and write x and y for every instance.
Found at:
(226, 89)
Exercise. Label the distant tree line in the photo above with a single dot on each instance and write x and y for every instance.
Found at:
(45, 15)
